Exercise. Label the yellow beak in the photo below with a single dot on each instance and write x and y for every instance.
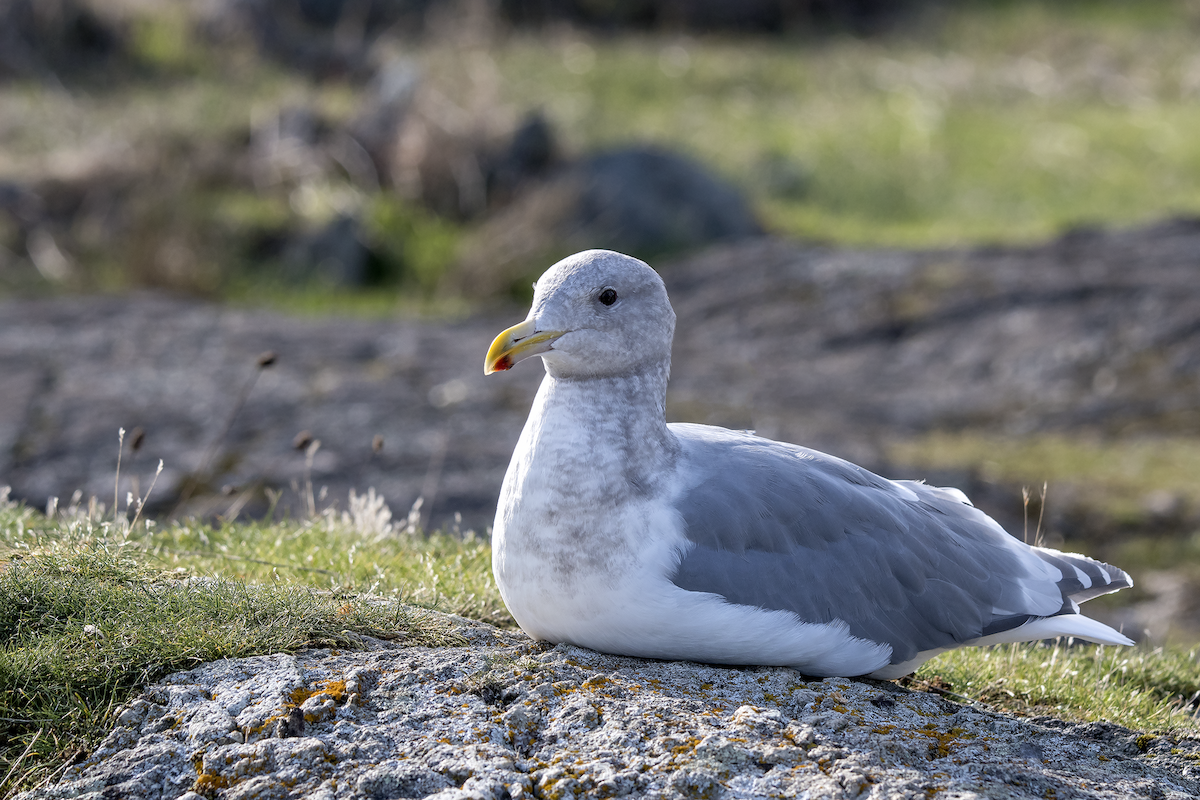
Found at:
(515, 344)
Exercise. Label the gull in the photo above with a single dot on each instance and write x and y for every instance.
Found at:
(620, 532)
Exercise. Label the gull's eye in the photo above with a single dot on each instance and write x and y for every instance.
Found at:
(608, 297)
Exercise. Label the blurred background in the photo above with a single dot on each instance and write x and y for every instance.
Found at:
(271, 240)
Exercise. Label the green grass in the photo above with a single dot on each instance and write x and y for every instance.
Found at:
(1002, 121)
(438, 571)
(1116, 478)
(84, 629)
(1141, 688)
(90, 612)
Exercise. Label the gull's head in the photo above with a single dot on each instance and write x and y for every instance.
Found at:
(595, 314)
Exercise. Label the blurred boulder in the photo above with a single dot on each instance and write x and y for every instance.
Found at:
(335, 254)
(772, 16)
(384, 110)
(35, 236)
(640, 200)
(528, 155)
(21, 210)
(43, 38)
(324, 38)
(460, 166)
(289, 148)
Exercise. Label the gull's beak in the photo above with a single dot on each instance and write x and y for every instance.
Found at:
(517, 343)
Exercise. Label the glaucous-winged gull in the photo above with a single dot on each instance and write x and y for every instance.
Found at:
(622, 533)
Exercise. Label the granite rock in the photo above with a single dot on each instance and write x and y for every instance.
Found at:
(506, 718)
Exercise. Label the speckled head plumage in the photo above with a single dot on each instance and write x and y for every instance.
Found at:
(595, 314)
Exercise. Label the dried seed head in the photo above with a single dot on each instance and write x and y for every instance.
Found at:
(377, 444)
(266, 359)
(136, 437)
(303, 439)
(229, 489)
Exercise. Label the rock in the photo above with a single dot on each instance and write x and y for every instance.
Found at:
(570, 722)
(648, 199)
(17, 390)
(333, 255)
(1092, 332)
(528, 155)
(323, 38)
(186, 373)
(460, 167)
(833, 348)
(381, 117)
(39, 38)
(644, 201)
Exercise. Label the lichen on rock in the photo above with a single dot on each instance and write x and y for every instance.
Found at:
(509, 718)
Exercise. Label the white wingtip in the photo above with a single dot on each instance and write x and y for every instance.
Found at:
(1076, 625)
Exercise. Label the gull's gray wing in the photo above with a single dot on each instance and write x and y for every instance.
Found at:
(782, 527)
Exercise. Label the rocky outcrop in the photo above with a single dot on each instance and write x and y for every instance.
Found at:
(42, 38)
(637, 200)
(1096, 331)
(833, 348)
(398, 405)
(507, 718)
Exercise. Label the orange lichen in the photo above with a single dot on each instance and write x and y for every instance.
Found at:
(299, 695)
(209, 783)
(941, 742)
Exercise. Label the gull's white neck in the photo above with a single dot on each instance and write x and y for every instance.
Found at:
(616, 427)
(569, 516)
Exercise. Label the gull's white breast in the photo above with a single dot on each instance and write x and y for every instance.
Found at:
(600, 578)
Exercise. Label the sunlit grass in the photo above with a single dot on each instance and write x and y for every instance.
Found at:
(333, 552)
(1140, 688)
(91, 611)
(438, 570)
(1115, 477)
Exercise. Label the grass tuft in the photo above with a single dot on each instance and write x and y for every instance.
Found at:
(86, 621)
(1140, 688)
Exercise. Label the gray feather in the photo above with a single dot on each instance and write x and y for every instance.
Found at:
(782, 527)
